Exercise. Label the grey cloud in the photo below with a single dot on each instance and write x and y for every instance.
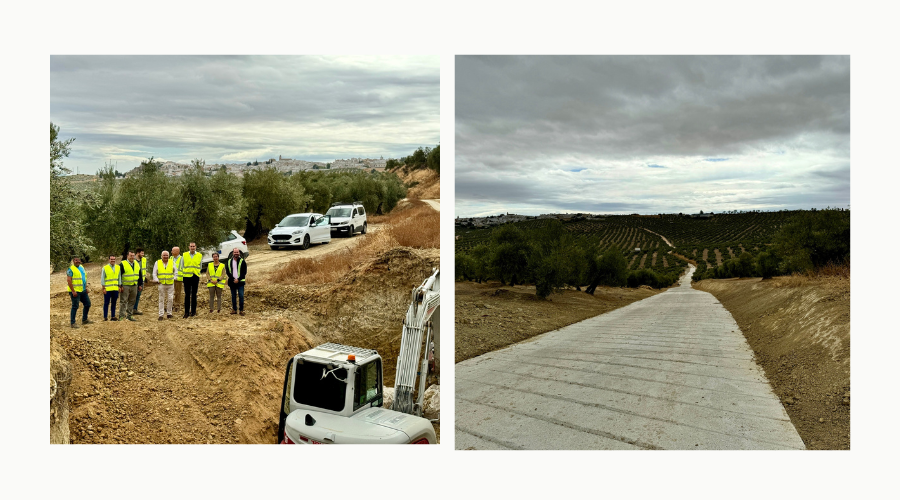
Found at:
(220, 103)
(767, 116)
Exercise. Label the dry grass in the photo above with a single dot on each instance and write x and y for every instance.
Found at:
(417, 226)
(832, 271)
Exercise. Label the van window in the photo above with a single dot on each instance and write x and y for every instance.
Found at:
(362, 211)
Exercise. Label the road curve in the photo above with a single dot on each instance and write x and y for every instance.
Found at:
(672, 371)
(435, 204)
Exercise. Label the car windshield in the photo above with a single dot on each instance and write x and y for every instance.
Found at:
(294, 221)
(339, 211)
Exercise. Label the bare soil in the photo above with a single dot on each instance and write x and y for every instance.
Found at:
(426, 183)
(490, 316)
(799, 329)
(217, 378)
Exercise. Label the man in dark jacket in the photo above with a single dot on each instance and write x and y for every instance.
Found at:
(236, 269)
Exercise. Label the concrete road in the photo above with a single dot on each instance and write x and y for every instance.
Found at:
(672, 371)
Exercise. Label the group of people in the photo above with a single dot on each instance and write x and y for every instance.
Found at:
(174, 273)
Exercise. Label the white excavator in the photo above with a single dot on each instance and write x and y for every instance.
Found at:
(334, 393)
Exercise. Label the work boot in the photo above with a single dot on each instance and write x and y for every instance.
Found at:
(105, 319)
(233, 311)
(160, 318)
(168, 316)
(193, 314)
(242, 313)
(86, 322)
(129, 318)
(210, 311)
(75, 325)
(137, 313)
(114, 319)
(186, 315)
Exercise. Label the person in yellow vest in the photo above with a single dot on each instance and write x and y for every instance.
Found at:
(139, 256)
(112, 283)
(190, 269)
(236, 269)
(130, 270)
(179, 284)
(77, 280)
(215, 273)
(164, 273)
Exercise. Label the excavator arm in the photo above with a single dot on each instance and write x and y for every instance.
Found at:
(418, 331)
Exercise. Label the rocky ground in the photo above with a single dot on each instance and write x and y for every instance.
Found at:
(217, 378)
(490, 316)
(799, 329)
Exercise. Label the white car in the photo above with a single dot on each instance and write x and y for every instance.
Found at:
(301, 230)
(230, 241)
(348, 218)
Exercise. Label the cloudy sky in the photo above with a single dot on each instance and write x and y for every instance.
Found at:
(236, 109)
(624, 134)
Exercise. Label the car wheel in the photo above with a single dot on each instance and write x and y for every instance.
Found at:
(351, 232)
(244, 255)
(273, 247)
(305, 242)
(365, 227)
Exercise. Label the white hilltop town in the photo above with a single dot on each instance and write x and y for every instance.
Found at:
(286, 165)
(496, 220)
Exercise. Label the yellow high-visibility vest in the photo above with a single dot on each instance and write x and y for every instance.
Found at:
(130, 277)
(165, 272)
(77, 281)
(217, 274)
(178, 266)
(111, 278)
(144, 268)
(191, 265)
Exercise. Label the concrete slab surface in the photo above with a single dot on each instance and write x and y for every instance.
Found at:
(672, 371)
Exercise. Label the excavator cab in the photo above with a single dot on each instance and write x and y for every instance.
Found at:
(334, 394)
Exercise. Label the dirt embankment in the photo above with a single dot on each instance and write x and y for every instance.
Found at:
(490, 316)
(799, 329)
(423, 183)
(217, 378)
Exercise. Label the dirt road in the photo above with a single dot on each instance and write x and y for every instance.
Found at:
(435, 204)
(672, 371)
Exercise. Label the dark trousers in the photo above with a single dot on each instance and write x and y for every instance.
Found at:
(138, 299)
(235, 291)
(190, 294)
(86, 300)
(110, 297)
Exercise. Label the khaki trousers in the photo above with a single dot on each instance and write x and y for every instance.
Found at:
(166, 293)
(179, 286)
(215, 295)
(127, 298)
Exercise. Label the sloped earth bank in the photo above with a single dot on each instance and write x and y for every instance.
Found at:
(217, 378)
(490, 316)
(799, 329)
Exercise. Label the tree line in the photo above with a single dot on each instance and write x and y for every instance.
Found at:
(551, 258)
(156, 211)
(419, 159)
(809, 241)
